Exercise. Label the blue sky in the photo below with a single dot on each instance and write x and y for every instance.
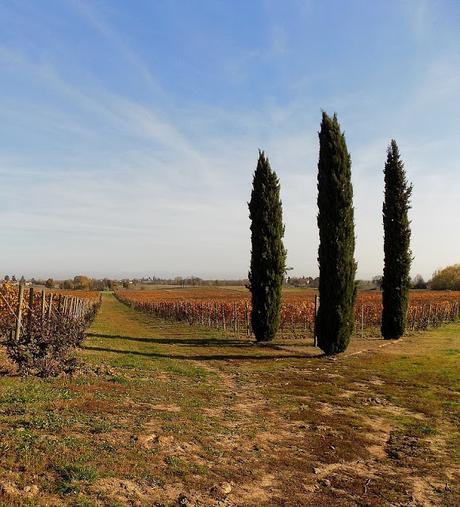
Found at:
(129, 130)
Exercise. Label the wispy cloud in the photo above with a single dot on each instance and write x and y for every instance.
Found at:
(113, 182)
(95, 19)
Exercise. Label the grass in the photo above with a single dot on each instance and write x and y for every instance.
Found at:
(176, 415)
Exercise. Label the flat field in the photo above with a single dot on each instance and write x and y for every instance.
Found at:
(290, 294)
(168, 414)
(229, 308)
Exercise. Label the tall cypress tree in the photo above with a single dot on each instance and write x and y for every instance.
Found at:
(268, 256)
(337, 267)
(398, 257)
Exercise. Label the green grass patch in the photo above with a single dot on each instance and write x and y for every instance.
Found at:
(71, 477)
(165, 398)
(31, 390)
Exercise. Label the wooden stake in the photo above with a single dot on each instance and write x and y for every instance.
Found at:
(17, 330)
(224, 326)
(246, 311)
(50, 306)
(315, 338)
(43, 302)
(31, 310)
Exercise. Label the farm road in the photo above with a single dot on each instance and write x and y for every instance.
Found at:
(218, 421)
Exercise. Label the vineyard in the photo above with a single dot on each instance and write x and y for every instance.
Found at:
(40, 328)
(230, 310)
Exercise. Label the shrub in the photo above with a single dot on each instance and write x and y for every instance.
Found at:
(44, 346)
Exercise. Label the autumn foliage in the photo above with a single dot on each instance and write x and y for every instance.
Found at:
(52, 325)
(447, 278)
(230, 309)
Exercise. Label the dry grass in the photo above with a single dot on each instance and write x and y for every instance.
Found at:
(176, 416)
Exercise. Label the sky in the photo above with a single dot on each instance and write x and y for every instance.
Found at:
(129, 131)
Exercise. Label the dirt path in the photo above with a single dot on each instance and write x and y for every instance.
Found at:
(180, 416)
(358, 416)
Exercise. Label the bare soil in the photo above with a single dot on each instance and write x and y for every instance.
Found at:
(176, 416)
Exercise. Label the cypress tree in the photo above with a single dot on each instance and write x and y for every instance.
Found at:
(337, 267)
(398, 257)
(268, 256)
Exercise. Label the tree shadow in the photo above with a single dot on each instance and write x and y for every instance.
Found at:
(203, 342)
(197, 342)
(208, 357)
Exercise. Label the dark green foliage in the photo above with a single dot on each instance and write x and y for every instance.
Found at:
(337, 266)
(398, 257)
(268, 256)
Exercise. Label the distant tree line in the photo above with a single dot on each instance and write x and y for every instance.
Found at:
(447, 278)
(303, 281)
(82, 282)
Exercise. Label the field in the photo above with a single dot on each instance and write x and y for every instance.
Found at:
(170, 414)
(229, 309)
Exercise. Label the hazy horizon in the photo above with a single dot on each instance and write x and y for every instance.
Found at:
(130, 132)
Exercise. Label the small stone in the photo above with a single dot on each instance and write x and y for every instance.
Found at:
(164, 440)
(221, 490)
(31, 490)
(147, 440)
(226, 488)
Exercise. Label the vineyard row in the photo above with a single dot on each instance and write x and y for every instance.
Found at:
(18, 308)
(40, 329)
(297, 320)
